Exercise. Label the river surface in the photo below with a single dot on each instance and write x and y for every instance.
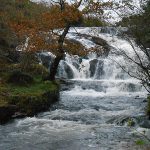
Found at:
(104, 111)
(83, 119)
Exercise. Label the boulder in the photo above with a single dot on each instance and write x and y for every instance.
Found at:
(96, 66)
(68, 71)
(103, 43)
(93, 65)
(46, 59)
(65, 71)
(99, 71)
(76, 65)
(145, 124)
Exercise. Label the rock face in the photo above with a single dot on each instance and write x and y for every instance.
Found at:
(76, 65)
(109, 30)
(145, 124)
(68, 70)
(99, 71)
(93, 64)
(65, 71)
(46, 59)
(103, 43)
(96, 68)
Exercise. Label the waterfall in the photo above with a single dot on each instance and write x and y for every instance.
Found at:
(104, 69)
(99, 67)
(100, 107)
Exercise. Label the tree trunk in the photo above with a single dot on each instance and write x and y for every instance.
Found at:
(54, 67)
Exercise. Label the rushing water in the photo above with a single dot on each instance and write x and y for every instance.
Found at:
(94, 109)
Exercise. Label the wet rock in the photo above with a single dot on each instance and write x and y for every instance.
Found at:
(137, 97)
(65, 71)
(80, 60)
(96, 66)
(145, 124)
(6, 113)
(99, 71)
(93, 64)
(68, 71)
(109, 30)
(76, 65)
(65, 85)
(103, 43)
(145, 100)
(96, 107)
(46, 59)
(19, 115)
(132, 88)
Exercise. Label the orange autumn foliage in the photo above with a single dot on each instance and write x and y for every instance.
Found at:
(40, 26)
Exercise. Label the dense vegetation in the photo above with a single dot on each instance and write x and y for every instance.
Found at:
(22, 80)
(93, 22)
(19, 25)
(139, 28)
(22, 88)
(138, 25)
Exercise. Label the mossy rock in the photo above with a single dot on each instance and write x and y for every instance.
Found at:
(31, 105)
(28, 99)
(38, 69)
(34, 98)
(20, 78)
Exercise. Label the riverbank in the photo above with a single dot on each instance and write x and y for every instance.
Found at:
(20, 100)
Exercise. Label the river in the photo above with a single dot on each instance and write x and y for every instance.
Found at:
(102, 111)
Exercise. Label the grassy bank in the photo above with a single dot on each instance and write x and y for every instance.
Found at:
(25, 99)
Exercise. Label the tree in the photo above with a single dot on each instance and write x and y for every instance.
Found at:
(44, 33)
(10, 11)
(138, 31)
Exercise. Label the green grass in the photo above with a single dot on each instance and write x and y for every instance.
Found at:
(36, 88)
(140, 142)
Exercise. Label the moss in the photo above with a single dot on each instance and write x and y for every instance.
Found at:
(3, 102)
(3, 95)
(140, 142)
(130, 122)
(29, 99)
(37, 88)
(20, 78)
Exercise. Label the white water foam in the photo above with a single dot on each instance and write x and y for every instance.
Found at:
(112, 72)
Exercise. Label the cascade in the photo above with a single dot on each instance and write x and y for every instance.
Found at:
(97, 103)
(102, 69)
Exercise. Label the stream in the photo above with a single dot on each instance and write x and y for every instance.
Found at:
(99, 109)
